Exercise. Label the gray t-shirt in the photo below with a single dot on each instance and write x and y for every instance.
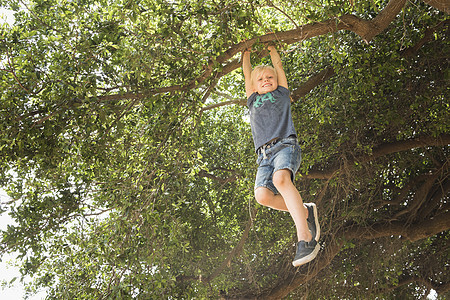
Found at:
(270, 116)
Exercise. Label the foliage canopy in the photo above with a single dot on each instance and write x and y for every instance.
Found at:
(129, 161)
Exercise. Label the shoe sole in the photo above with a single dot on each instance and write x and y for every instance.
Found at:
(307, 258)
(316, 219)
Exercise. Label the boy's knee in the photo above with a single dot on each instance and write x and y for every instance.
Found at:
(263, 196)
(282, 178)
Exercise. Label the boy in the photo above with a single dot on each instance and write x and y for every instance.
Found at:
(279, 154)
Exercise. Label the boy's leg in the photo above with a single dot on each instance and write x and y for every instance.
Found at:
(293, 202)
(307, 247)
(266, 197)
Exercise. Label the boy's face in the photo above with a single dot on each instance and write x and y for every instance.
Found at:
(265, 82)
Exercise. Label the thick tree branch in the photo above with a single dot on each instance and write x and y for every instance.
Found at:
(407, 279)
(433, 202)
(312, 82)
(328, 72)
(364, 28)
(383, 19)
(442, 5)
(422, 193)
(428, 36)
(403, 192)
(382, 150)
(412, 232)
(308, 271)
(334, 245)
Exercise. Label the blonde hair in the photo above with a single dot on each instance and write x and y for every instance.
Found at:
(260, 69)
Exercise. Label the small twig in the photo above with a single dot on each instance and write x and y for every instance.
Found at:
(39, 19)
(287, 16)
(11, 65)
(236, 250)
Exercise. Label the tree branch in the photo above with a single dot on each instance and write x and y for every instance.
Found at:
(312, 82)
(407, 279)
(442, 5)
(413, 232)
(203, 173)
(365, 29)
(434, 200)
(382, 150)
(236, 250)
(329, 72)
(383, 19)
(428, 35)
(335, 242)
(270, 3)
(308, 271)
(229, 102)
(421, 195)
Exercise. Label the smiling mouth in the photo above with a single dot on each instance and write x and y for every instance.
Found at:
(266, 85)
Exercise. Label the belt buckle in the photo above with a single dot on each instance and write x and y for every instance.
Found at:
(267, 145)
(273, 142)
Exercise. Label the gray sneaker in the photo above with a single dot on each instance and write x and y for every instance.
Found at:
(313, 221)
(306, 252)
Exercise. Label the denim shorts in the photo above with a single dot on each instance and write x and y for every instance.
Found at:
(284, 154)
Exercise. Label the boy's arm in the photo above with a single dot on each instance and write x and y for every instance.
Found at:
(247, 68)
(278, 65)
